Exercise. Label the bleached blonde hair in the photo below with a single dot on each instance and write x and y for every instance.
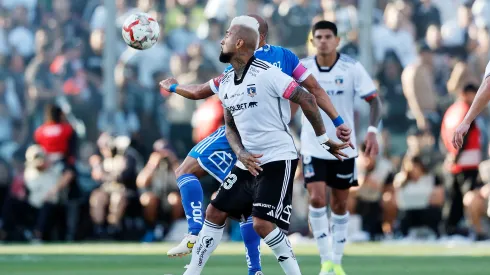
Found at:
(247, 22)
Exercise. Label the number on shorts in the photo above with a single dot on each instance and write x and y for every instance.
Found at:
(230, 180)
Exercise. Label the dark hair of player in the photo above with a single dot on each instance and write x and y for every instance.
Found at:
(470, 88)
(53, 113)
(324, 25)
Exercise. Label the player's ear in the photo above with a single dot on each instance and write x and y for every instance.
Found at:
(239, 43)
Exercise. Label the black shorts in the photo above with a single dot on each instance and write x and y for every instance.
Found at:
(337, 174)
(267, 196)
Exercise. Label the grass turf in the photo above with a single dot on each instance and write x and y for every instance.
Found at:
(121, 259)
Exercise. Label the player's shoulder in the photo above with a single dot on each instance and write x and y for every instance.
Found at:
(347, 59)
(262, 65)
(308, 60)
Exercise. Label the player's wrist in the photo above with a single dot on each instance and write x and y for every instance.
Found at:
(323, 138)
(372, 129)
(338, 121)
(173, 88)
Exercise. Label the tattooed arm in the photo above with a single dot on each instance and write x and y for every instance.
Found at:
(308, 104)
(232, 133)
(251, 161)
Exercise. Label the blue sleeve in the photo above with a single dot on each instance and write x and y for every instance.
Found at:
(291, 60)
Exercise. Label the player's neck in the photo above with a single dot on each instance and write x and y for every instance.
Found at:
(326, 60)
(239, 63)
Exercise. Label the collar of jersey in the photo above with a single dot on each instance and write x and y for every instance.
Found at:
(322, 70)
(239, 81)
(264, 48)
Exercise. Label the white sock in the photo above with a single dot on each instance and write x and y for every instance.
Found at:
(339, 232)
(319, 226)
(281, 247)
(208, 240)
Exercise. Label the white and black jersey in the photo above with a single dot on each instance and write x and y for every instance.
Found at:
(260, 107)
(343, 82)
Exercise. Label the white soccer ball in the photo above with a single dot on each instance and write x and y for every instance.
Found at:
(140, 31)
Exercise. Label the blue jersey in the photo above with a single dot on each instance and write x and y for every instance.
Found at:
(280, 57)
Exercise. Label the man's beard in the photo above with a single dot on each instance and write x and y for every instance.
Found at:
(225, 57)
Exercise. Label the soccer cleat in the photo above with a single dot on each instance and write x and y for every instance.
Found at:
(259, 273)
(338, 270)
(184, 248)
(327, 268)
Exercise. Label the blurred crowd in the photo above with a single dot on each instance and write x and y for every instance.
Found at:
(72, 170)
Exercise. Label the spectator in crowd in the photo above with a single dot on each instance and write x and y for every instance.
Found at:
(426, 13)
(477, 203)
(462, 164)
(374, 200)
(419, 196)
(116, 172)
(56, 136)
(42, 86)
(47, 188)
(158, 187)
(419, 89)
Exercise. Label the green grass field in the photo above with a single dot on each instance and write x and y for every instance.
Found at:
(141, 259)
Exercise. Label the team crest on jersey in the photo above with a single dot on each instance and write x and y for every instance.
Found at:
(251, 90)
(339, 80)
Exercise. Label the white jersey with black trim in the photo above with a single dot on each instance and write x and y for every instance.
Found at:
(345, 80)
(260, 107)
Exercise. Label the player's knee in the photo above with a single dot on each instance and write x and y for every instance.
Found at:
(215, 215)
(339, 207)
(189, 166)
(262, 227)
(318, 200)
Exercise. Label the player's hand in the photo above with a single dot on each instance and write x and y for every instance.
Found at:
(459, 134)
(251, 161)
(372, 147)
(335, 148)
(343, 133)
(165, 84)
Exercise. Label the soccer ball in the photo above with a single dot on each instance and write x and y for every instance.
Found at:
(140, 31)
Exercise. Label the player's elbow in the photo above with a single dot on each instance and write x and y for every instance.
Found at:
(308, 101)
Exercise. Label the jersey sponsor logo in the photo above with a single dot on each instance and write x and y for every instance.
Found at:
(339, 80)
(251, 90)
(264, 205)
(222, 160)
(334, 92)
(277, 64)
(271, 213)
(242, 106)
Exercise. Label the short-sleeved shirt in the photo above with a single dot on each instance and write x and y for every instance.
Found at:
(343, 82)
(260, 108)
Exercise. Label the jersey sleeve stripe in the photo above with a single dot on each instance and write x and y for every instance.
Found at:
(260, 66)
(213, 86)
(298, 72)
(289, 89)
(261, 63)
(370, 95)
